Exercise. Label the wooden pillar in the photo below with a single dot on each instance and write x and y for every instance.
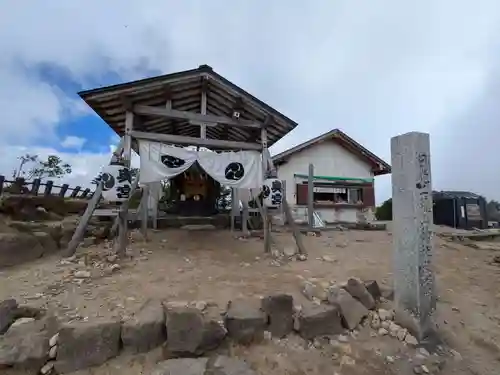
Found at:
(265, 164)
(145, 211)
(310, 197)
(203, 126)
(82, 224)
(122, 239)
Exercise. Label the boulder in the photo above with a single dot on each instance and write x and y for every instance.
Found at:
(315, 289)
(145, 330)
(26, 346)
(86, 344)
(224, 365)
(279, 309)
(357, 289)
(48, 243)
(352, 310)
(193, 331)
(373, 288)
(181, 366)
(8, 310)
(319, 320)
(17, 248)
(245, 321)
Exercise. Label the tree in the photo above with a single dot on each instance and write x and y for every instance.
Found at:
(23, 160)
(53, 167)
(493, 210)
(384, 211)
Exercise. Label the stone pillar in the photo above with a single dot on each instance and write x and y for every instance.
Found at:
(412, 233)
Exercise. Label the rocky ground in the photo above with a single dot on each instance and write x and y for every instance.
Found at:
(214, 267)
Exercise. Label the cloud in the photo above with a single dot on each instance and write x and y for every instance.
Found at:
(73, 142)
(372, 69)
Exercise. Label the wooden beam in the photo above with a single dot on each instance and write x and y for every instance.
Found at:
(193, 141)
(184, 115)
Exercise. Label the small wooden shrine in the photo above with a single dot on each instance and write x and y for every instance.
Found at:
(191, 108)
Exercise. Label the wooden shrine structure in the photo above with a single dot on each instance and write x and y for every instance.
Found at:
(196, 107)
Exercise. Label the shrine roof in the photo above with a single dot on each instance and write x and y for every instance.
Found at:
(184, 90)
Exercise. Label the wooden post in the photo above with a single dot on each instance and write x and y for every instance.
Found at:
(144, 212)
(265, 161)
(75, 192)
(82, 224)
(233, 208)
(244, 215)
(63, 190)
(35, 186)
(310, 197)
(122, 239)
(48, 188)
(2, 180)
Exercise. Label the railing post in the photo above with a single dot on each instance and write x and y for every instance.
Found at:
(63, 190)
(48, 188)
(35, 186)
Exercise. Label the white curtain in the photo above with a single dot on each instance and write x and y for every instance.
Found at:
(241, 169)
(160, 162)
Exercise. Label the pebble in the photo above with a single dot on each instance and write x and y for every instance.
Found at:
(389, 359)
(382, 331)
(53, 352)
(346, 360)
(423, 352)
(394, 329)
(327, 258)
(385, 324)
(302, 257)
(47, 368)
(342, 338)
(402, 334)
(82, 274)
(411, 340)
(456, 355)
(385, 314)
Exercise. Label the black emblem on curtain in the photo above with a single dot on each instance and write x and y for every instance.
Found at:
(234, 171)
(172, 162)
(265, 191)
(108, 181)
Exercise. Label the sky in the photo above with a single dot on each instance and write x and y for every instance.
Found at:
(374, 69)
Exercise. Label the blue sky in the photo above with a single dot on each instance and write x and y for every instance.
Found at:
(372, 69)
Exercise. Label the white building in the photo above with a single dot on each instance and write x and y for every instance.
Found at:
(344, 174)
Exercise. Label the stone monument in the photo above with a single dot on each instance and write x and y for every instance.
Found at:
(412, 233)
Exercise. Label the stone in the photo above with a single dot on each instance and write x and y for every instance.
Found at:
(181, 366)
(373, 288)
(48, 243)
(20, 321)
(312, 289)
(375, 322)
(191, 331)
(82, 274)
(53, 352)
(382, 331)
(412, 207)
(145, 330)
(322, 320)
(54, 340)
(385, 314)
(357, 289)
(245, 321)
(411, 340)
(26, 347)
(352, 310)
(184, 329)
(8, 310)
(224, 365)
(394, 329)
(389, 359)
(279, 309)
(401, 334)
(86, 344)
(47, 368)
(18, 248)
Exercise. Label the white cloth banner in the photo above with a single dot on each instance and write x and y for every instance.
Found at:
(241, 169)
(160, 162)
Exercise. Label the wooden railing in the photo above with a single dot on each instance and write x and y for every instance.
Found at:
(45, 188)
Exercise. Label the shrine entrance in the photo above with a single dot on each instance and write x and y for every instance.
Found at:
(193, 193)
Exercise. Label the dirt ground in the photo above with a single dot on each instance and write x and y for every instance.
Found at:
(213, 266)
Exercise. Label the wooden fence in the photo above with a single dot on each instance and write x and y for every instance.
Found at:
(46, 188)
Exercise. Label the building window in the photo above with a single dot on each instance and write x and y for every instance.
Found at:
(324, 194)
(335, 195)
